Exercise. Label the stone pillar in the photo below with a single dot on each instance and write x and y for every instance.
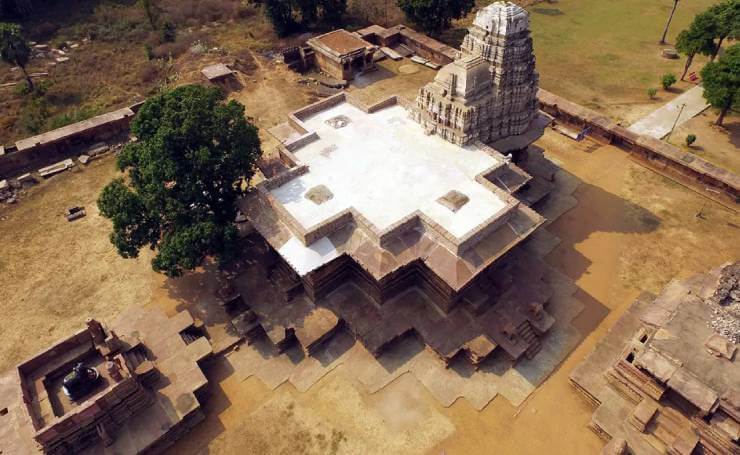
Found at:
(114, 370)
(96, 330)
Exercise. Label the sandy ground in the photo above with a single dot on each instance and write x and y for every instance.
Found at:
(718, 145)
(632, 230)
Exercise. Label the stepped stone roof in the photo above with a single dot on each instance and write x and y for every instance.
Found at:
(502, 18)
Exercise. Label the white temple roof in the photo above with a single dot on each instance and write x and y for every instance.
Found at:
(502, 18)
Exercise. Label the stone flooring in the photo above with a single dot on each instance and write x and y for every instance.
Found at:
(659, 123)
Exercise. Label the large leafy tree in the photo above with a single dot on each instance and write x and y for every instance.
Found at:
(332, 11)
(14, 49)
(280, 15)
(722, 82)
(433, 16)
(697, 39)
(727, 19)
(194, 157)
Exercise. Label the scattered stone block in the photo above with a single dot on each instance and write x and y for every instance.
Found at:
(74, 213)
(97, 149)
(419, 60)
(432, 65)
(62, 59)
(83, 159)
(669, 54)
(25, 179)
(719, 346)
(56, 168)
(4, 185)
(41, 47)
(393, 55)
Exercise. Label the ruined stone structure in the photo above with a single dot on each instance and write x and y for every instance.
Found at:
(490, 91)
(665, 378)
(342, 54)
(146, 397)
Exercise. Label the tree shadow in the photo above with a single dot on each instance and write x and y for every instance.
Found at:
(548, 11)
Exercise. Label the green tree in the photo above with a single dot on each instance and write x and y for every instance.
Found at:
(652, 91)
(667, 80)
(670, 19)
(308, 9)
(433, 16)
(194, 157)
(14, 49)
(152, 12)
(690, 139)
(332, 11)
(721, 82)
(697, 39)
(727, 20)
(280, 14)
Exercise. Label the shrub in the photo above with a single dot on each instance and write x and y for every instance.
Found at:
(34, 115)
(667, 80)
(169, 32)
(652, 91)
(690, 139)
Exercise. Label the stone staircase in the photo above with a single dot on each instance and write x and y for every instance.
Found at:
(528, 335)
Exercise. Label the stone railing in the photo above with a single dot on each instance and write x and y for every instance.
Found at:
(686, 168)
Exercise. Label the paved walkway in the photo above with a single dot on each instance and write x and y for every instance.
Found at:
(659, 122)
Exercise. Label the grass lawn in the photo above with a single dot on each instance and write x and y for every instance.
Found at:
(605, 54)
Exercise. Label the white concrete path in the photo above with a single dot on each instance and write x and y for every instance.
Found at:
(659, 122)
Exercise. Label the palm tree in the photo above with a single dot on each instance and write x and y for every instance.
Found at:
(14, 49)
(670, 18)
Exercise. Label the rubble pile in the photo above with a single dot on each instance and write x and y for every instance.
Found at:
(725, 304)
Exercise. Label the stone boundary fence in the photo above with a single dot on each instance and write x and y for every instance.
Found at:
(686, 168)
(32, 153)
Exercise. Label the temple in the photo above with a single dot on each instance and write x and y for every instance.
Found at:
(665, 378)
(372, 206)
(133, 387)
(490, 91)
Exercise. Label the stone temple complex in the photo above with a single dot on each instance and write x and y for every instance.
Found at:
(665, 378)
(490, 91)
(378, 200)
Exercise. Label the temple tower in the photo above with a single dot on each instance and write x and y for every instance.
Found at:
(496, 67)
(500, 34)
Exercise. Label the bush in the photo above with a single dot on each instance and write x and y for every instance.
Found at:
(169, 32)
(652, 91)
(690, 139)
(34, 115)
(667, 80)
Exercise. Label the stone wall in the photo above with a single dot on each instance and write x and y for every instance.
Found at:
(421, 44)
(686, 168)
(44, 149)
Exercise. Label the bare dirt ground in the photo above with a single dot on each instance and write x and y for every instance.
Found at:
(718, 145)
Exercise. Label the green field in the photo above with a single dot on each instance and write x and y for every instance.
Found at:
(605, 53)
